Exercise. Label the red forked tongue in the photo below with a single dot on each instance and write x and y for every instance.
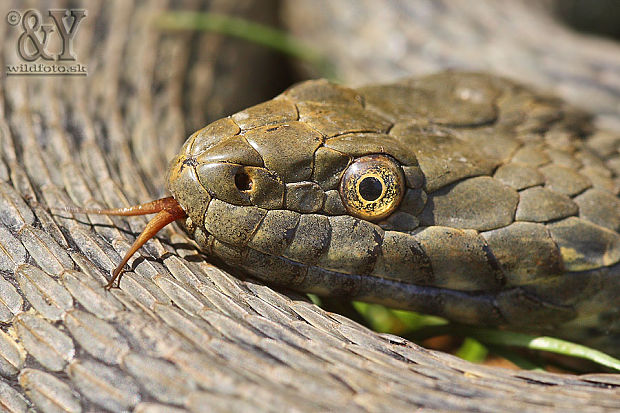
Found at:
(167, 209)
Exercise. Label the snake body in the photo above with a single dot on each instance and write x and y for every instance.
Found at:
(509, 214)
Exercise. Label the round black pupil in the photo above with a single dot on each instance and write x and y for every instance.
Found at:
(370, 188)
(243, 182)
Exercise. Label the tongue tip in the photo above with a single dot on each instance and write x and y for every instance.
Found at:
(167, 209)
(152, 207)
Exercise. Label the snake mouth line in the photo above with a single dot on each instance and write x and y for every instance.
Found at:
(384, 291)
(280, 271)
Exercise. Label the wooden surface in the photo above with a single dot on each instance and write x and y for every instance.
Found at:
(180, 333)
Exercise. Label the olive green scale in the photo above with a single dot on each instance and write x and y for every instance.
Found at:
(510, 214)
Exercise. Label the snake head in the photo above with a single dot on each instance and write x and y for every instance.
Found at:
(305, 183)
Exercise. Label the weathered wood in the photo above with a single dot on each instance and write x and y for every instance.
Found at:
(179, 333)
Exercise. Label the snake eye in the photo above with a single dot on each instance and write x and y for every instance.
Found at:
(372, 187)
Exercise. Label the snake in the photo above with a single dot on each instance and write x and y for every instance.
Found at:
(459, 194)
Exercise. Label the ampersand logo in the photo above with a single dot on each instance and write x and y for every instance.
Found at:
(34, 43)
(31, 22)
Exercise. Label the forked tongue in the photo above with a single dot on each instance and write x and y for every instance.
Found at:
(167, 209)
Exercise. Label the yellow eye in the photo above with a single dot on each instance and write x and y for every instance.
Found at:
(372, 187)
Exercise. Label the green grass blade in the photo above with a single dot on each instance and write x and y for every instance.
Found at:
(544, 343)
(387, 320)
(244, 29)
(472, 350)
(575, 350)
(497, 338)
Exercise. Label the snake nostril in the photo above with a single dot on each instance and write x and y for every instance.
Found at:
(243, 182)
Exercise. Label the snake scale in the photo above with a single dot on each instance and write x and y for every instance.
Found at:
(457, 194)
